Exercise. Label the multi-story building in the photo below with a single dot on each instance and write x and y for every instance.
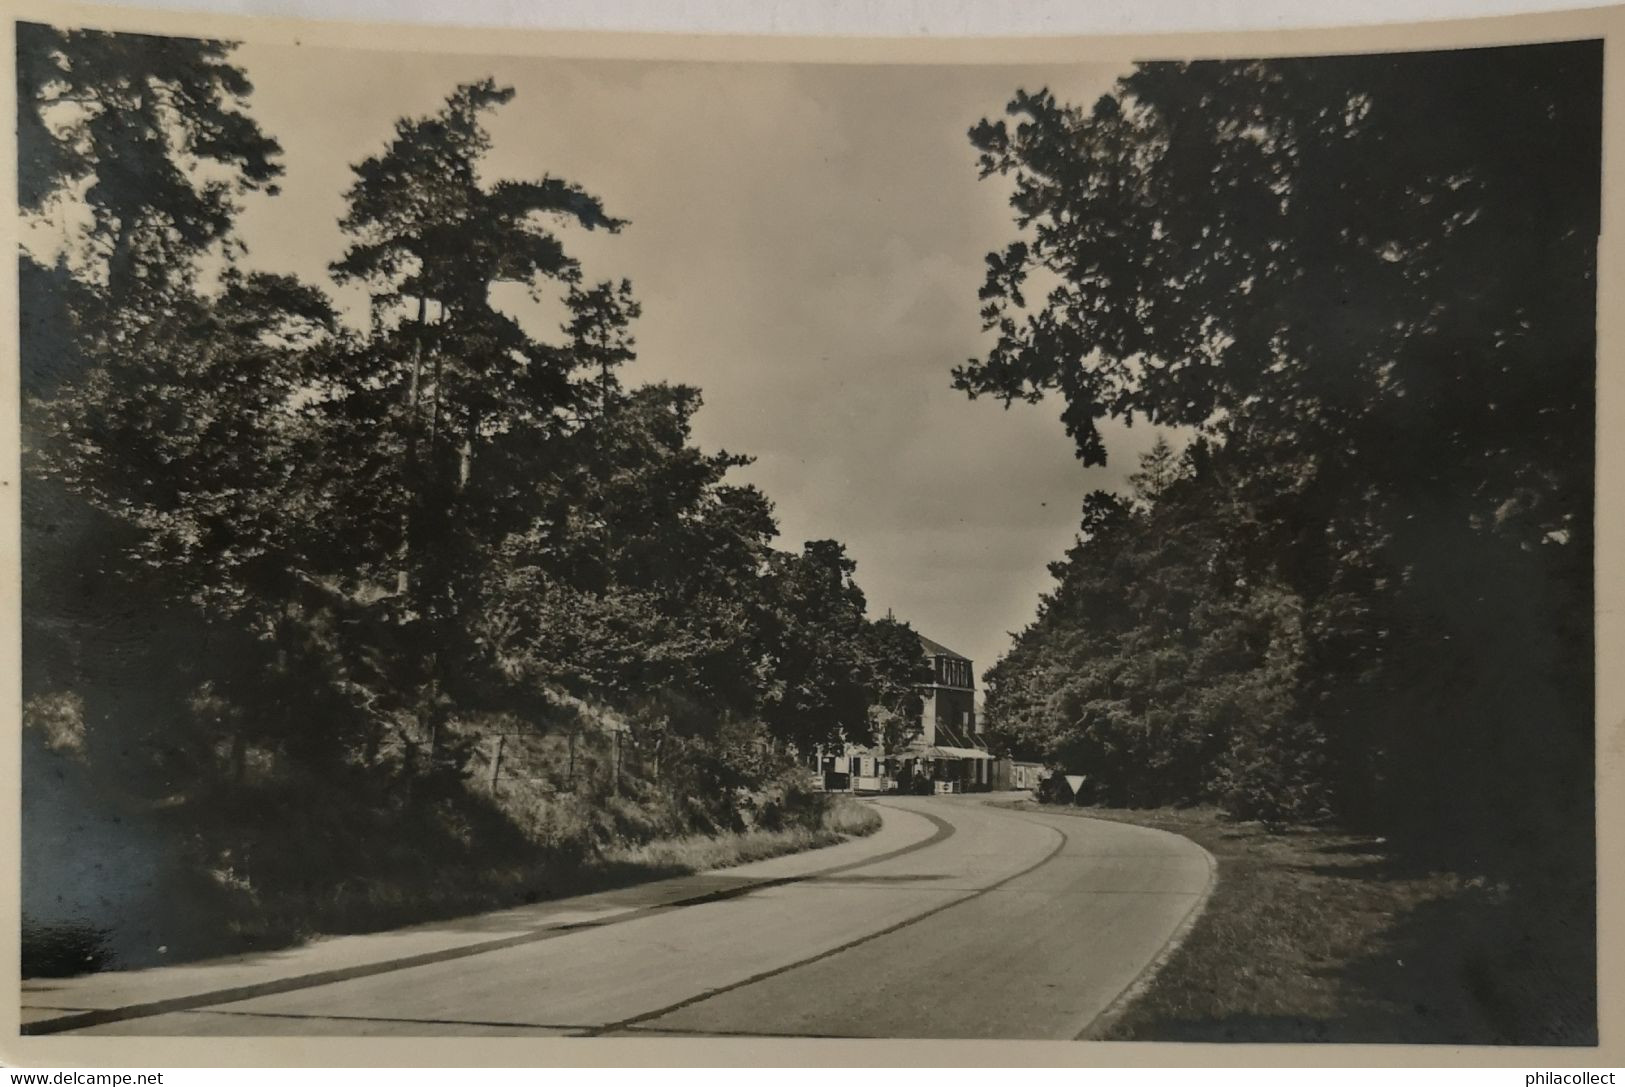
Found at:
(948, 755)
(950, 698)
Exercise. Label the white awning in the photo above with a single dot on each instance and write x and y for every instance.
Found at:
(949, 753)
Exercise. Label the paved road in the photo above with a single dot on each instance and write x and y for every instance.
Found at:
(956, 920)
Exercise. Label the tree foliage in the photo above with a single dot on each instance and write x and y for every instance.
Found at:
(357, 544)
(1159, 668)
(150, 136)
(1368, 284)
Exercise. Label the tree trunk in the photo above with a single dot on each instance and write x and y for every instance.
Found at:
(465, 468)
(496, 763)
(434, 414)
(417, 352)
(403, 579)
(434, 718)
(121, 261)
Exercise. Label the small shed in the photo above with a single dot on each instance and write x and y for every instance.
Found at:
(1017, 774)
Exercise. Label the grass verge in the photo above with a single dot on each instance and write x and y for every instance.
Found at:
(436, 876)
(392, 899)
(845, 818)
(1313, 935)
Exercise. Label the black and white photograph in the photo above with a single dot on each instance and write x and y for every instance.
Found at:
(527, 543)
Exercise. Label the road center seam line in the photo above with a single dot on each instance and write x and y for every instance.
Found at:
(633, 1022)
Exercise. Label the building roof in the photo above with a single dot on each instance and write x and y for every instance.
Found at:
(937, 649)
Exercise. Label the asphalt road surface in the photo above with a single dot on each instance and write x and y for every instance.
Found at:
(956, 920)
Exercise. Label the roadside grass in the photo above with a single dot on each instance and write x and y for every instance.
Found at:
(848, 818)
(844, 818)
(459, 887)
(1312, 935)
(396, 876)
(455, 890)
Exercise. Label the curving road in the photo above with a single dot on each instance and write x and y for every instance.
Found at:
(956, 920)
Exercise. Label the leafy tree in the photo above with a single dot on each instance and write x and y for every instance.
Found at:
(188, 428)
(1157, 668)
(820, 684)
(195, 417)
(1159, 470)
(603, 595)
(464, 376)
(898, 673)
(428, 232)
(448, 395)
(163, 422)
(1310, 261)
(1302, 204)
(600, 336)
(152, 134)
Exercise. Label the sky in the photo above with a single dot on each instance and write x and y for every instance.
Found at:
(806, 242)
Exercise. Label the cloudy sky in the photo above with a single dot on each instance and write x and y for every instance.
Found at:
(807, 242)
